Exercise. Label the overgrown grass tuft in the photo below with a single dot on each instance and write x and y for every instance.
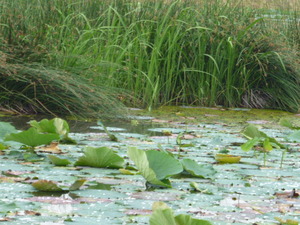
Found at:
(164, 52)
(32, 88)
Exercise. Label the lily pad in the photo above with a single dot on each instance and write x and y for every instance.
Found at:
(54, 126)
(32, 137)
(156, 166)
(224, 158)
(252, 132)
(203, 171)
(162, 214)
(58, 161)
(46, 185)
(163, 164)
(102, 157)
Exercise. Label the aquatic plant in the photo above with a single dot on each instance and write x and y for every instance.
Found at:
(55, 126)
(187, 52)
(33, 88)
(32, 137)
(156, 167)
(51, 186)
(163, 214)
(102, 157)
(262, 141)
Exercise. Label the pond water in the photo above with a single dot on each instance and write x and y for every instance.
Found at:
(247, 192)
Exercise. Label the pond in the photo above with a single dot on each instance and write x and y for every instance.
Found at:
(259, 189)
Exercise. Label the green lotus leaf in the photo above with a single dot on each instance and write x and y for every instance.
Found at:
(32, 137)
(203, 171)
(56, 126)
(58, 161)
(162, 214)
(46, 185)
(77, 184)
(163, 164)
(252, 131)
(188, 220)
(6, 128)
(102, 157)
(140, 158)
(247, 146)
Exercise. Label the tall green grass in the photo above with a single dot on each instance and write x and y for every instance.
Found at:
(178, 52)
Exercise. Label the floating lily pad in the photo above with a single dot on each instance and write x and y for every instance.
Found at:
(102, 157)
(46, 185)
(203, 171)
(58, 161)
(224, 158)
(162, 214)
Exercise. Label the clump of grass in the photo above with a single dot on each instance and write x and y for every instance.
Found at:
(33, 88)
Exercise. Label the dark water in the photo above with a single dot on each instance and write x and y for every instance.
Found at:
(79, 126)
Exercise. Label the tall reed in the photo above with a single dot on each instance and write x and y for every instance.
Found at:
(163, 52)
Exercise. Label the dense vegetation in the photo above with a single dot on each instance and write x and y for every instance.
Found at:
(83, 56)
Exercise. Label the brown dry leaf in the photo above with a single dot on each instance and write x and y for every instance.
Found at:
(289, 194)
(32, 213)
(53, 148)
(4, 219)
(12, 179)
(15, 173)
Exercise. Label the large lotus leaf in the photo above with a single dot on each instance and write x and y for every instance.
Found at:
(252, 131)
(203, 171)
(32, 137)
(162, 214)
(102, 157)
(188, 220)
(163, 164)
(58, 161)
(139, 157)
(56, 125)
(6, 128)
(46, 185)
